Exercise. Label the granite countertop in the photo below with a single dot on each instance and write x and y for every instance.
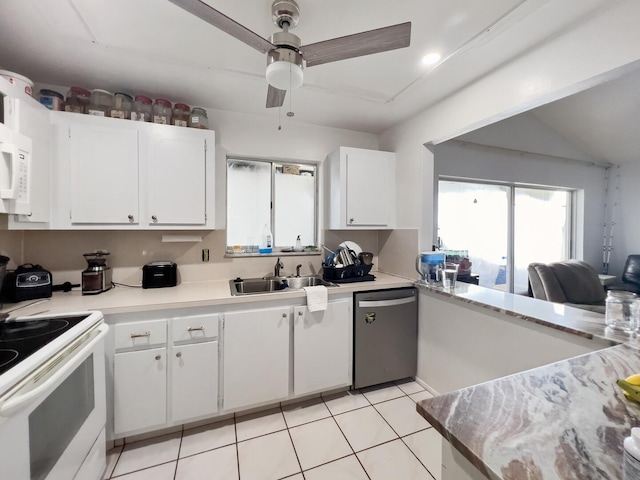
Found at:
(121, 299)
(566, 420)
(562, 317)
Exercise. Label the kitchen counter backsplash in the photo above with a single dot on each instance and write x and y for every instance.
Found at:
(60, 252)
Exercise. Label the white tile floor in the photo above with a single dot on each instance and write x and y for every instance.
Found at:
(373, 434)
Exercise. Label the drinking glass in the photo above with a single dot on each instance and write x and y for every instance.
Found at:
(449, 275)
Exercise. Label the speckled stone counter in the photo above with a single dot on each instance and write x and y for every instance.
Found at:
(569, 319)
(566, 420)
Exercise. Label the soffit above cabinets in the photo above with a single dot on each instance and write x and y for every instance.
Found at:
(155, 48)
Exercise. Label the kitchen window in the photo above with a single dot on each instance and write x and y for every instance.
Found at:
(279, 194)
(505, 227)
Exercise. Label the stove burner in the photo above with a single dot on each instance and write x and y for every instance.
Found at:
(7, 356)
(30, 328)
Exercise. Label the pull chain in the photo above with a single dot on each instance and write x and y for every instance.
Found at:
(290, 112)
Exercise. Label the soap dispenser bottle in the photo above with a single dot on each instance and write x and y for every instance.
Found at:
(266, 240)
(298, 247)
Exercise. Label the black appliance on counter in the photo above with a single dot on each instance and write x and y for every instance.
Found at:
(159, 275)
(27, 282)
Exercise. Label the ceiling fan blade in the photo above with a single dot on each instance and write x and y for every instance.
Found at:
(275, 97)
(358, 44)
(224, 23)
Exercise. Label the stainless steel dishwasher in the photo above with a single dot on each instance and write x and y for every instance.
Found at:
(385, 336)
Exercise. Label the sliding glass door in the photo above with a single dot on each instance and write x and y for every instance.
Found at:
(504, 228)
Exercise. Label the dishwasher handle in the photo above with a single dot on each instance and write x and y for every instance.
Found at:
(385, 303)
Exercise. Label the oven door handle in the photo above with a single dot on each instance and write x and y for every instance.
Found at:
(14, 401)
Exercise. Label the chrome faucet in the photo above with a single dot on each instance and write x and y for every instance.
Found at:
(298, 267)
(279, 265)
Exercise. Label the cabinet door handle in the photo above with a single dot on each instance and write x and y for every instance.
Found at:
(179, 354)
(196, 329)
(130, 217)
(351, 220)
(300, 313)
(138, 335)
(284, 315)
(158, 357)
(154, 218)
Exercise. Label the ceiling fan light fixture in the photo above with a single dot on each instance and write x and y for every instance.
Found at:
(284, 69)
(284, 75)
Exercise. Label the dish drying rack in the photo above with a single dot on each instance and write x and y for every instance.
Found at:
(343, 266)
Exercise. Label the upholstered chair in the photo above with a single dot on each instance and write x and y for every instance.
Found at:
(572, 282)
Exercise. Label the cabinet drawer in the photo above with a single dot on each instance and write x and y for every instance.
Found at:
(194, 328)
(140, 334)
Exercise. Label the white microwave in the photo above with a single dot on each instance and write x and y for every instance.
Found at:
(15, 172)
(25, 146)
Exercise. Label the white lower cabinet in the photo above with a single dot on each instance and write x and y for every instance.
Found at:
(321, 358)
(194, 375)
(256, 357)
(194, 367)
(140, 389)
(168, 385)
(189, 367)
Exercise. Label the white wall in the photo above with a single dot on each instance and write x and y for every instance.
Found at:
(625, 198)
(459, 159)
(526, 133)
(597, 48)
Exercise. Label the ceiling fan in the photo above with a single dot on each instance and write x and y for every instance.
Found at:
(286, 56)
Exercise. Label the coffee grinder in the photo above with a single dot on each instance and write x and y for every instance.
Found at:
(97, 276)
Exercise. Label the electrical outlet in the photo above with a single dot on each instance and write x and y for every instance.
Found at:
(205, 254)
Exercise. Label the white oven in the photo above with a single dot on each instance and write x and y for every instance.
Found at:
(52, 419)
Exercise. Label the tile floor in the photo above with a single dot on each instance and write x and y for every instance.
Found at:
(369, 434)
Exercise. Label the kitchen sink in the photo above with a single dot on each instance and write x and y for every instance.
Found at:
(252, 286)
(308, 281)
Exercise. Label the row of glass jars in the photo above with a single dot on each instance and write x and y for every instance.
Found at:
(121, 105)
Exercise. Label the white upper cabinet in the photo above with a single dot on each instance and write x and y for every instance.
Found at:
(118, 174)
(177, 170)
(103, 163)
(361, 189)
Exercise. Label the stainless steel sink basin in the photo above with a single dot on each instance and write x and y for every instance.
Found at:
(308, 281)
(248, 286)
(252, 286)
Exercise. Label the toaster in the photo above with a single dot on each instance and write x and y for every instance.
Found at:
(159, 275)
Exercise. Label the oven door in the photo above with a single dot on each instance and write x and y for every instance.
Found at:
(51, 420)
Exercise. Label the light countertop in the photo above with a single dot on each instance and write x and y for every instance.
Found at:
(122, 299)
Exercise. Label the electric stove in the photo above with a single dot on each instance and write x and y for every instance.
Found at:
(26, 343)
(21, 338)
(52, 397)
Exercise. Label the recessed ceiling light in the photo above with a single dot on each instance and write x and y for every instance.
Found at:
(431, 58)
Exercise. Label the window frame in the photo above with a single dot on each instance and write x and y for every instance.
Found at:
(570, 244)
(274, 163)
